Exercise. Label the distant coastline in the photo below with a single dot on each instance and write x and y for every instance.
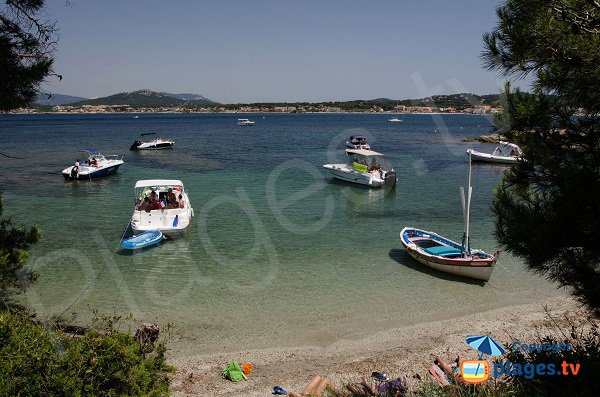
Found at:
(103, 110)
(148, 101)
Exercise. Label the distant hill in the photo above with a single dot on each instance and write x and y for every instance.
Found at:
(191, 97)
(147, 98)
(57, 99)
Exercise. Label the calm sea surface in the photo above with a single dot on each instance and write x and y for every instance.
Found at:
(278, 254)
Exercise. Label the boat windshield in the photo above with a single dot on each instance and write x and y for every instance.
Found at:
(370, 163)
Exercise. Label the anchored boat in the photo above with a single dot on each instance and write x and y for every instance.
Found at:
(448, 256)
(358, 142)
(163, 205)
(155, 144)
(364, 167)
(95, 166)
(505, 153)
(245, 122)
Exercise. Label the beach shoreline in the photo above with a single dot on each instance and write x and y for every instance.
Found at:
(404, 351)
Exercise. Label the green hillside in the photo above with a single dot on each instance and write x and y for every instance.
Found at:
(144, 98)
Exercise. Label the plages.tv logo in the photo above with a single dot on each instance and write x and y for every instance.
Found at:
(478, 371)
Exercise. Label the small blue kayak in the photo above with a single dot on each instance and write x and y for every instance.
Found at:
(142, 240)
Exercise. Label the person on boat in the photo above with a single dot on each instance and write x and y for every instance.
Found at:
(145, 205)
(154, 203)
(181, 203)
(375, 166)
(171, 200)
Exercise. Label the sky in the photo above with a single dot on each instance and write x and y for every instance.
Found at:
(235, 51)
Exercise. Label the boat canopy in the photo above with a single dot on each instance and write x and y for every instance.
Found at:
(157, 182)
(363, 152)
(358, 137)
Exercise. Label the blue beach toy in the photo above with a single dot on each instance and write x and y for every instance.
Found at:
(279, 390)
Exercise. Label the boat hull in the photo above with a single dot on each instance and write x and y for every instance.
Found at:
(344, 173)
(162, 220)
(165, 145)
(478, 266)
(490, 158)
(95, 174)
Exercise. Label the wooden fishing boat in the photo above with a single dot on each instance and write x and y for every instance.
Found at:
(443, 254)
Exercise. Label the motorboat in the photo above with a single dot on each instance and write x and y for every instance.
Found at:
(358, 142)
(155, 144)
(443, 254)
(95, 165)
(394, 119)
(245, 122)
(504, 153)
(364, 167)
(163, 205)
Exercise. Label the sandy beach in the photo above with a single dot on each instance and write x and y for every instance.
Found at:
(404, 351)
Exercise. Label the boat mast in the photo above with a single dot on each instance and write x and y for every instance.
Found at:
(466, 203)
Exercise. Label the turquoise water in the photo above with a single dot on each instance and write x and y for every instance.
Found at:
(278, 253)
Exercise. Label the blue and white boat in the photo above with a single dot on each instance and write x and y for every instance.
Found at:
(95, 166)
(142, 240)
(448, 256)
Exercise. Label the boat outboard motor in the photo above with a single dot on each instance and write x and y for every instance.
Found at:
(135, 145)
(390, 179)
(74, 172)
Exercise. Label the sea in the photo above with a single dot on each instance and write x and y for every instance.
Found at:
(278, 254)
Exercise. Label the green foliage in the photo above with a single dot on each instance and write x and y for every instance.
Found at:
(547, 206)
(14, 242)
(488, 389)
(557, 41)
(36, 361)
(26, 45)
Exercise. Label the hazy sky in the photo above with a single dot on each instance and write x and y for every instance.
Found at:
(272, 50)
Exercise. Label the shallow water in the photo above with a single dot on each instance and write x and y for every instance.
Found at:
(278, 253)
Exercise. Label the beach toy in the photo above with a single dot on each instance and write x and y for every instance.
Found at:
(279, 390)
(247, 368)
(233, 372)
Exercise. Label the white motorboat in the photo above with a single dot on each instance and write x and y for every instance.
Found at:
(161, 204)
(364, 167)
(505, 153)
(394, 119)
(95, 166)
(245, 122)
(358, 142)
(156, 144)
